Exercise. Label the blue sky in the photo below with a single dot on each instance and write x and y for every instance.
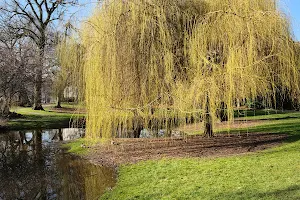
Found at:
(292, 9)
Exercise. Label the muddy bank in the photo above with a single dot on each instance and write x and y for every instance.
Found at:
(124, 151)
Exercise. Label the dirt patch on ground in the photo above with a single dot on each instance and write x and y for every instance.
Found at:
(123, 151)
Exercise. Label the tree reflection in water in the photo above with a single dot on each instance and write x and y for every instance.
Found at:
(32, 166)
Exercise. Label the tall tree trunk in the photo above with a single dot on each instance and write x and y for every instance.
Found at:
(38, 79)
(138, 125)
(38, 90)
(137, 131)
(208, 130)
(58, 100)
(223, 113)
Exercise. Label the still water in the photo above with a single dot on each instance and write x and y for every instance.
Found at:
(33, 166)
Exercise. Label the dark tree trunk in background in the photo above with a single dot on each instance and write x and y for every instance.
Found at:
(59, 98)
(38, 79)
(213, 56)
(58, 101)
(138, 125)
(137, 131)
(223, 113)
(208, 129)
(38, 90)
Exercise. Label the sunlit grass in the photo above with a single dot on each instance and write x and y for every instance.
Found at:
(271, 174)
(75, 147)
(261, 120)
(41, 119)
(82, 146)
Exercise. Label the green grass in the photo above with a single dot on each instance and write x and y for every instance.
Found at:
(288, 123)
(76, 148)
(256, 113)
(271, 174)
(273, 121)
(33, 119)
(267, 115)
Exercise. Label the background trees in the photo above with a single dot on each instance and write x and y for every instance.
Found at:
(17, 57)
(33, 19)
(154, 64)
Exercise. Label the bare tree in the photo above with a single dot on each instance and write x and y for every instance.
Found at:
(16, 66)
(33, 20)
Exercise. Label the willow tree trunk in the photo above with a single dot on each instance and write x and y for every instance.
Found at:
(137, 131)
(223, 113)
(38, 79)
(138, 125)
(208, 130)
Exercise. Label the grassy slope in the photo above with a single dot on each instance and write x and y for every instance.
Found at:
(40, 119)
(272, 174)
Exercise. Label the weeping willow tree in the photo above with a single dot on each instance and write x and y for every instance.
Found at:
(158, 63)
(70, 54)
(136, 51)
(239, 50)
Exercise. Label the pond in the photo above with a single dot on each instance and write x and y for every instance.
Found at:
(33, 166)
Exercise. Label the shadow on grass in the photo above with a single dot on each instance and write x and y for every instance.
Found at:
(35, 121)
(251, 113)
(291, 193)
(264, 116)
(281, 118)
(292, 129)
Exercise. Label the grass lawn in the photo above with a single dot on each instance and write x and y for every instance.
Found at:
(277, 121)
(75, 147)
(271, 174)
(41, 119)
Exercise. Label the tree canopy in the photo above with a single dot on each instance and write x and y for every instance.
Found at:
(156, 63)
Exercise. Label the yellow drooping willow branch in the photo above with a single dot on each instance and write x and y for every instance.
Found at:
(70, 54)
(243, 50)
(155, 63)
